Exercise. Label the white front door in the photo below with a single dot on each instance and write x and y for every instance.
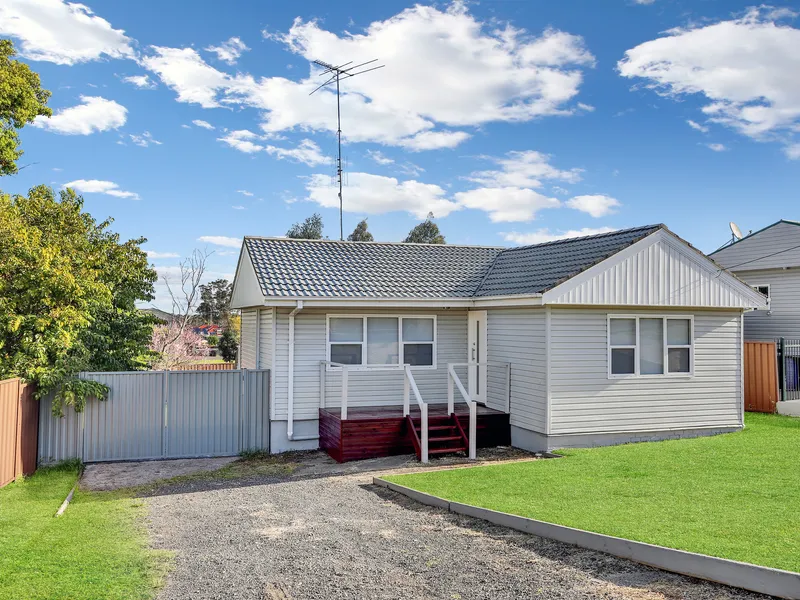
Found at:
(477, 353)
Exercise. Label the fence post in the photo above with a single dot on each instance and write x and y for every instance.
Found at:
(344, 394)
(450, 392)
(165, 392)
(406, 393)
(782, 368)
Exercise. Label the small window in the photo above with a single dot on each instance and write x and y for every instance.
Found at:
(347, 341)
(649, 346)
(763, 289)
(376, 341)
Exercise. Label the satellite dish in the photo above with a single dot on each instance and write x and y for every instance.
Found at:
(737, 233)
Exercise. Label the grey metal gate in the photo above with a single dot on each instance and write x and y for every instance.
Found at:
(162, 414)
(789, 363)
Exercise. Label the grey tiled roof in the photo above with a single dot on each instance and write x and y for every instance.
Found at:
(330, 269)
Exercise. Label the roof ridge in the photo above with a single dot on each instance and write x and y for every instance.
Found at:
(374, 243)
(586, 237)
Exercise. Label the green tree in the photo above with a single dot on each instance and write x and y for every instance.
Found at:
(215, 302)
(205, 310)
(310, 229)
(212, 341)
(22, 99)
(68, 290)
(426, 232)
(360, 233)
(228, 345)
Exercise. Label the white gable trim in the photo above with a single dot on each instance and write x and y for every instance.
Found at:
(709, 285)
(246, 289)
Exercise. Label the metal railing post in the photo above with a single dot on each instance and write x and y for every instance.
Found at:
(406, 393)
(450, 392)
(424, 424)
(473, 430)
(344, 393)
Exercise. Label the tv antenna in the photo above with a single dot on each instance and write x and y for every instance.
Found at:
(735, 232)
(337, 73)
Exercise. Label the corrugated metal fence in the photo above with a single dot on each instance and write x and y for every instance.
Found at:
(760, 376)
(216, 366)
(19, 416)
(162, 414)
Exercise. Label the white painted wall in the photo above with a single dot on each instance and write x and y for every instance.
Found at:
(518, 336)
(366, 388)
(783, 318)
(585, 400)
(247, 345)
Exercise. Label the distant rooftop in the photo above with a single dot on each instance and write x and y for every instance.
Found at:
(325, 268)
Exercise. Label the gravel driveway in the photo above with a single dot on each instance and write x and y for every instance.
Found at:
(338, 536)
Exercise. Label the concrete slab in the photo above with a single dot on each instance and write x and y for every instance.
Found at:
(112, 476)
(790, 408)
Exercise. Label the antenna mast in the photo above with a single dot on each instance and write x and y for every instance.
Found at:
(336, 73)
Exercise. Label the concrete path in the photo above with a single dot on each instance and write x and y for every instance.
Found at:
(111, 476)
(326, 532)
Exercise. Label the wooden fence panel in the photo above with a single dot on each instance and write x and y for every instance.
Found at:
(19, 426)
(760, 376)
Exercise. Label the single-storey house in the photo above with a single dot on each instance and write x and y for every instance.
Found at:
(381, 348)
(769, 260)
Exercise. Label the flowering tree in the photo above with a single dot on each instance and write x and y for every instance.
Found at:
(175, 346)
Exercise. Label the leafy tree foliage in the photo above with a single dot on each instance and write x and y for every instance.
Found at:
(22, 99)
(212, 341)
(310, 229)
(228, 345)
(360, 233)
(215, 302)
(68, 289)
(426, 232)
(174, 345)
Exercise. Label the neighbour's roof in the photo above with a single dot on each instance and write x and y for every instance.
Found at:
(322, 268)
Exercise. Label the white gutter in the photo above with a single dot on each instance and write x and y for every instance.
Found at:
(290, 400)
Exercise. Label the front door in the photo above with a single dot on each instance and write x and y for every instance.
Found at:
(477, 353)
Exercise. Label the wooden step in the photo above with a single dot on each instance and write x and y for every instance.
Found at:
(437, 427)
(446, 450)
(448, 438)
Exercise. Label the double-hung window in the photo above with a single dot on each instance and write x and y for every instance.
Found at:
(650, 346)
(379, 341)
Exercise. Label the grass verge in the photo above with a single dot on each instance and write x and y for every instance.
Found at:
(97, 549)
(734, 496)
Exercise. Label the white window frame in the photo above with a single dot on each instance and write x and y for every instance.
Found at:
(363, 342)
(636, 349)
(755, 286)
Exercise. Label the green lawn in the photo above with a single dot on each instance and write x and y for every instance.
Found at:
(734, 496)
(97, 549)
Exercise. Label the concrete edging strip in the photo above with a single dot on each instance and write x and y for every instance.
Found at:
(66, 501)
(764, 580)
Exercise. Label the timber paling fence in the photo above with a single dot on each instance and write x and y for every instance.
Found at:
(19, 422)
(162, 414)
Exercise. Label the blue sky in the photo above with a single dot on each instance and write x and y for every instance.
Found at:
(514, 122)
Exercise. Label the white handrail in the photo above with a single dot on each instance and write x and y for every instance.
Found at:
(409, 385)
(493, 363)
(452, 378)
(324, 364)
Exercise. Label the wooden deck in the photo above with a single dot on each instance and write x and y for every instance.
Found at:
(375, 431)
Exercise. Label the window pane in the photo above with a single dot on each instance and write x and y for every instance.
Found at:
(623, 332)
(622, 361)
(417, 330)
(347, 330)
(346, 354)
(679, 332)
(418, 354)
(678, 360)
(382, 346)
(651, 351)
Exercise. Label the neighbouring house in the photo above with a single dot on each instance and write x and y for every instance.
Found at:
(383, 348)
(769, 260)
(209, 330)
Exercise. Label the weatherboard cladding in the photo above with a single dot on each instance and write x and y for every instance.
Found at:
(328, 269)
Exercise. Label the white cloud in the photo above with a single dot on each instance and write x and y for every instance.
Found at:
(541, 236)
(245, 192)
(697, 126)
(597, 205)
(140, 81)
(242, 140)
(220, 240)
(375, 195)
(379, 157)
(185, 126)
(144, 140)
(203, 124)
(183, 70)
(154, 254)
(238, 207)
(306, 152)
(523, 169)
(643, 2)
(97, 186)
(445, 69)
(229, 51)
(792, 151)
(506, 204)
(93, 114)
(717, 147)
(744, 67)
(61, 32)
